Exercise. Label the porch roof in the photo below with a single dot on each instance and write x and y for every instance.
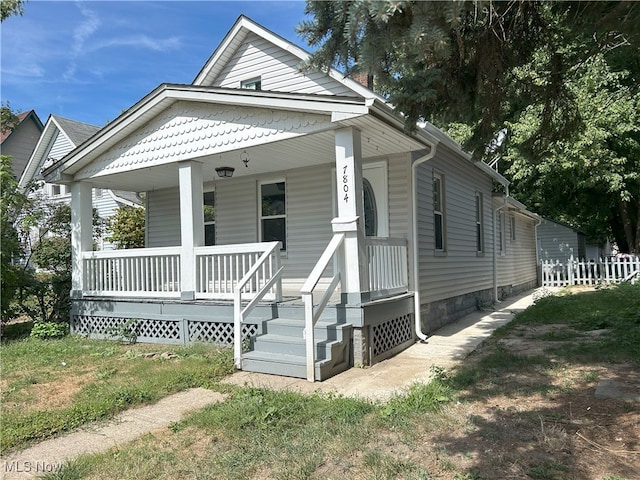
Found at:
(306, 141)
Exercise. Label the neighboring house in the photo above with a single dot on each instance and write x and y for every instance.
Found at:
(20, 142)
(59, 137)
(288, 213)
(560, 242)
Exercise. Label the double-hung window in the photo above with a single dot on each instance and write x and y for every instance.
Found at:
(209, 208)
(438, 212)
(479, 224)
(273, 213)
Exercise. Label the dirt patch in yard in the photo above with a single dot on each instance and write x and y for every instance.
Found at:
(544, 422)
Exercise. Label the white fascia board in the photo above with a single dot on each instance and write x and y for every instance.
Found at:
(44, 144)
(34, 160)
(490, 171)
(108, 134)
(382, 110)
(240, 29)
(272, 100)
(165, 95)
(451, 143)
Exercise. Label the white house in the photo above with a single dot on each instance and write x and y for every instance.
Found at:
(291, 209)
(60, 136)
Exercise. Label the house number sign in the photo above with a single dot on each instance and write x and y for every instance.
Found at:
(345, 184)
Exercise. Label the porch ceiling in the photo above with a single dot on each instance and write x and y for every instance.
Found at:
(378, 139)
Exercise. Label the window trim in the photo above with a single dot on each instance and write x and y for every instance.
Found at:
(62, 190)
(442, 213)
(254, 83)
(480, 242)
(512, 227)
(205, 223)
(283, 250)
(502, 240)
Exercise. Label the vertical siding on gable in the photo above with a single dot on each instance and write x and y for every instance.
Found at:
(461, 270)
(277, 68)
(163, 218)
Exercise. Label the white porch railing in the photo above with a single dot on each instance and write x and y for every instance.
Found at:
(388, 266)
(591, 272)
(155, 272)
(253, 279)
(219, 269)
(137, 272)
(311, 314)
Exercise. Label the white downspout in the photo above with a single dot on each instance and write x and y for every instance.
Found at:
(495, 244)
(416, 263)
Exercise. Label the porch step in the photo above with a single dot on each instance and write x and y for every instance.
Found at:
(282, 350)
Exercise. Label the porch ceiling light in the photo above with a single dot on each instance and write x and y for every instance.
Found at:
(225, 172)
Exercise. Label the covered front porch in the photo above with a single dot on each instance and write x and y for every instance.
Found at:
(314, 258)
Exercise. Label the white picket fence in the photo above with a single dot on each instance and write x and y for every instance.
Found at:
(590, 272)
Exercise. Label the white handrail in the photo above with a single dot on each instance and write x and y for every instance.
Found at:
(312, 315)
(240, 313)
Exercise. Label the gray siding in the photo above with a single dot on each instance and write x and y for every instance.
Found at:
(236, 211)
(278, 69)
(163, 218)
(20, 145)
(517, 264)
(309, 214)
(557, 242)
(460, 270)
(399, 172)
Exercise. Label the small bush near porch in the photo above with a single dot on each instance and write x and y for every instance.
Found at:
(52, 386)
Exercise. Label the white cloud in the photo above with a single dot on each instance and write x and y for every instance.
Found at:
(142, 41)
(88, 26)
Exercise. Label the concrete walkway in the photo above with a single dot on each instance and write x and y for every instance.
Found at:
(446, 348)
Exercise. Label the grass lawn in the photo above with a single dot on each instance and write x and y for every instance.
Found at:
(522, 407)
(52, 386)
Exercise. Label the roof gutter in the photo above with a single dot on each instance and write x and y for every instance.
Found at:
(416, 261)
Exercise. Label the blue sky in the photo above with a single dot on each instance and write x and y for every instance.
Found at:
(89, 60)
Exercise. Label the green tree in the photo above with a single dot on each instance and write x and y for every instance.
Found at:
(11, 7)
(592, 179)
(12, 202)
(509, 79)
(126, 227)
(447, 61)
(8, 118)
(46, 227)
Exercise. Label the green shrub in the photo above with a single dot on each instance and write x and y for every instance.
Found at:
(45, 330)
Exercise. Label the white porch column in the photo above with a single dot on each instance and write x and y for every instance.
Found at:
(191, 224)
(351, 213)
(81, 233)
